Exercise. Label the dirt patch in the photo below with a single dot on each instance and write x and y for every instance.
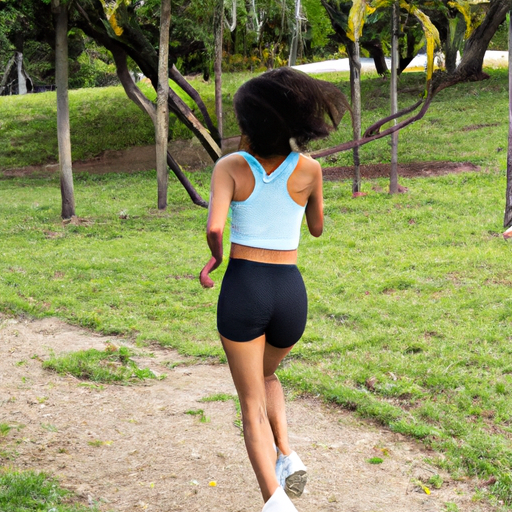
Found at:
(134, 448)
(412, 170)
(188, 153)
(192, 157)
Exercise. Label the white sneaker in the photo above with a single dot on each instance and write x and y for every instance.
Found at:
(291, 474)
(279, 502)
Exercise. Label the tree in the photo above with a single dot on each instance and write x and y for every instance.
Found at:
(120, 32)
(507, 221)
(393, 178)
(60, 11)
(162, 106)
(355, 90)
(218, 25)
(295, 35)
(470, 67)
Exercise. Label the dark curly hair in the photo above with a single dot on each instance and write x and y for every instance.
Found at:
(283, 104)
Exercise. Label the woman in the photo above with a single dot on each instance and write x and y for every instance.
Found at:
(262, 306)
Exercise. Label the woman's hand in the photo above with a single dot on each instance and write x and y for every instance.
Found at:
(205, 280)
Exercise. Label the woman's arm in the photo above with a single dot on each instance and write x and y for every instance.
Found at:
(222, 188)
(315, 205)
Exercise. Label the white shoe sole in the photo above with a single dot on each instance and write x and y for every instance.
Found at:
(295, 484)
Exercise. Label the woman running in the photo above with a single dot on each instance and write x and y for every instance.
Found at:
(262, 307)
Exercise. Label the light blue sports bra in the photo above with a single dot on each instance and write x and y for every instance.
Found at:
(269, 218)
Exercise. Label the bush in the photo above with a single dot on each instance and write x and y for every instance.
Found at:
(91, 72)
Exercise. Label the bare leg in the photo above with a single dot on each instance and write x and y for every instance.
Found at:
(246, 362)
(276, 411)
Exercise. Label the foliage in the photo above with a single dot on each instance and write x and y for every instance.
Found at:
(319, 26)
(111, 365)
(500, 40)
(7, 18)
(29, 491)
(94, 67)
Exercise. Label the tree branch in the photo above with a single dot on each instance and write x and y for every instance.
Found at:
(366, 139)
(177, 77)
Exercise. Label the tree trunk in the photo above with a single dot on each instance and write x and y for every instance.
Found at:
(218, 26)
(507, 221)
(295, 35)
(22, 82)
(355, 88)
(162, 105)
(470, 67)
(374, 48)
(395, 27)
(63, 132)
(178, 78)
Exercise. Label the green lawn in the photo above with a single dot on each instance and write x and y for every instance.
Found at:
(410, 314)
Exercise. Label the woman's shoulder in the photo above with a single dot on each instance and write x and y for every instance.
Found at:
(231, 161)
(308, 165)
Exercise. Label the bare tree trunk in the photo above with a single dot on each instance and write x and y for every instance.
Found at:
(162, 105)
(63, 132)
(22, 81)
(393, 178)
(507, 221)
(295, 35)
(218, 26)
(355, 86)
(177, 77)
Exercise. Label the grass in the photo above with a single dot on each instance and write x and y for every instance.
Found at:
(224, 397)
(112, 365)
(410, 311)
(454, 128)
(29, 491)
(454, 125)
(100, 119)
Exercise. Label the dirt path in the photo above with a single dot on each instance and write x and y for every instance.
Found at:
(192, 156)
(134, 448)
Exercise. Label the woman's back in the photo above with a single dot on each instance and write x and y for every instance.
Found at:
(303, 187)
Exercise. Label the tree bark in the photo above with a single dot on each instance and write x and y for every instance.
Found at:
(218, 26)
(470, 67)
(507, 221)
(295, 35)
(63, 131)
(162, 105)
(355, 88)
(395, 27)
(178, 78)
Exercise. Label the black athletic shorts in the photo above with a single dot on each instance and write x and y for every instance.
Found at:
(262, 298)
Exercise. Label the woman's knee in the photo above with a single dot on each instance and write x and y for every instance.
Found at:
(254, 413)
(270, 378)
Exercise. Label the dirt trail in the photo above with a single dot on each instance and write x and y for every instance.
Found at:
(134, 448)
